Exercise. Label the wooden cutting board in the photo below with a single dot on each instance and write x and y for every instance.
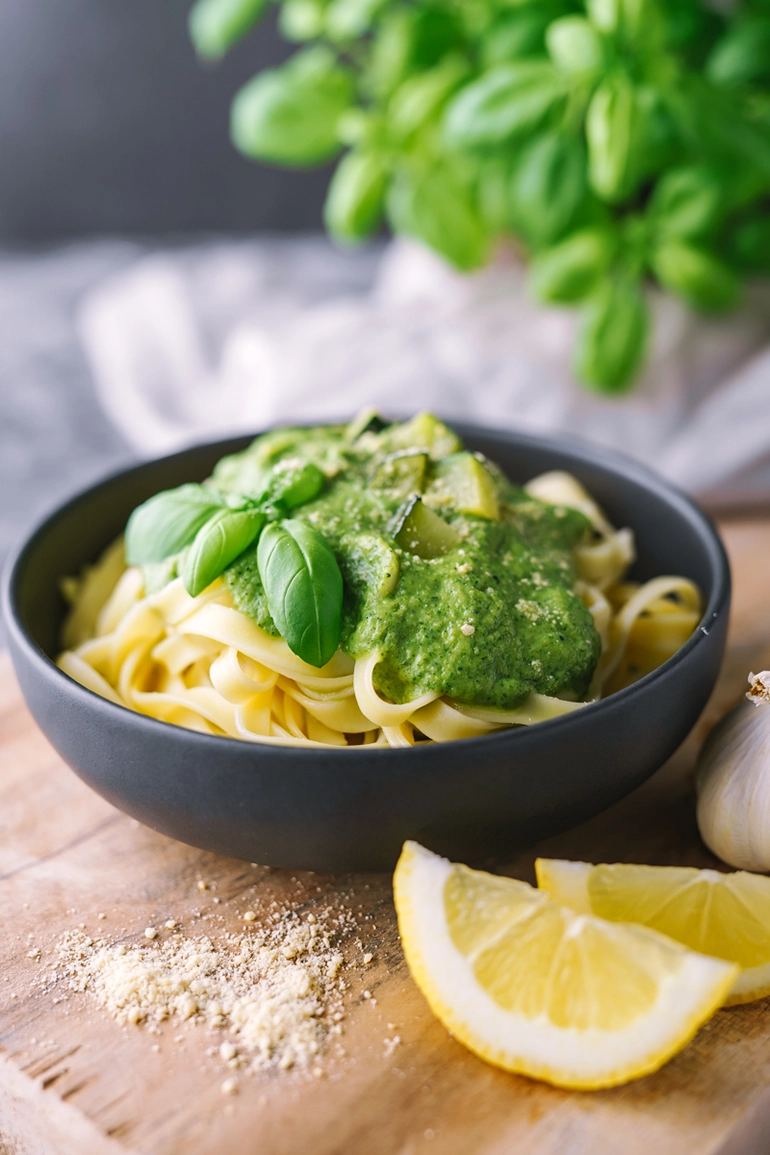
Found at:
(75, 1082)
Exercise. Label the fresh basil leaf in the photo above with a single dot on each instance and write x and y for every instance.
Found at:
(516, 35)
(354, 202)
(508, 101)
(613, 335)
(686, 202)
(350, 19)
(300, 20)
(548, 187)
(216, 25)
(703, 280)
(743, 55)
(296, 487)
(615, 134)
(436, 205)
(226, 535)
(574, 45)
(422, 97)
(633, 22)
(167, 522)
(570, 271)
(303, 585)
(290, 115)
(605, 15)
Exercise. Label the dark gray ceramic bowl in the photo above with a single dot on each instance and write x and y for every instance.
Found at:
(352, 809)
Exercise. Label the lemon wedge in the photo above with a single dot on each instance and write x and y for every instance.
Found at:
(533, 987)
(724, 915)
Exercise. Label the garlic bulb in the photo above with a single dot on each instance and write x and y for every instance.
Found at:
(733, 782)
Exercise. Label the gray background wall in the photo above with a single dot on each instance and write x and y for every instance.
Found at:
(109, 123)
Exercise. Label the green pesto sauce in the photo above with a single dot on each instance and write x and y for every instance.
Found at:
(510, 577)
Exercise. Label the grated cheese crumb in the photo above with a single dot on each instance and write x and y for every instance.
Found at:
(275, 988)
(468, 629)
(529, 609)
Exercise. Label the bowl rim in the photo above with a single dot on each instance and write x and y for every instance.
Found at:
(582, 450)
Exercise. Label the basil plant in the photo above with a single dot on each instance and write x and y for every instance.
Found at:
(618, 140)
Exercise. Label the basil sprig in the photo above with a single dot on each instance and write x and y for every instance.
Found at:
(168, 522)
(303, 585)
(302, 580)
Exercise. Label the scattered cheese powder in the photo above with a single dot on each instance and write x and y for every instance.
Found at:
(277, 988)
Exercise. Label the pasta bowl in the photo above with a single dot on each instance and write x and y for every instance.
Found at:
(335, 809)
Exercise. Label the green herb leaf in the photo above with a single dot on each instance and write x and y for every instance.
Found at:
(167, 522)
(613, 336)
(349, 19)
(516, 35)
(606, 15)
(437, 206)
(631, 21)
(300, 20)
(294, 487)
(574, 46)
(705, 282)
(743, 55)
(409, 40)
(290, 115)
(508, 101)
(570, 271)
(226, 535)
(216, 25)
(354, 202)
(303, 585)
(421, 98)
(614, 130)
(548, 186)
(687, 202)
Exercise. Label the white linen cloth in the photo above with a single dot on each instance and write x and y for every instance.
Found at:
(202, 342)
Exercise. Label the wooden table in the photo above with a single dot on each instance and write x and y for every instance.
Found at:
(74, 1082)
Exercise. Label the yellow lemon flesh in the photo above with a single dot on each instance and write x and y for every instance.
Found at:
(724, 915)
(533, 987)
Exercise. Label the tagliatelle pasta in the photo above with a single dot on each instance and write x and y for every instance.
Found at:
(201, 663)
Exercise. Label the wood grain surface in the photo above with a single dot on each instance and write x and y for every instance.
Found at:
(75, 1082)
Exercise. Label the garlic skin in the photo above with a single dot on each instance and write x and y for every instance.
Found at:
(733, 782)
